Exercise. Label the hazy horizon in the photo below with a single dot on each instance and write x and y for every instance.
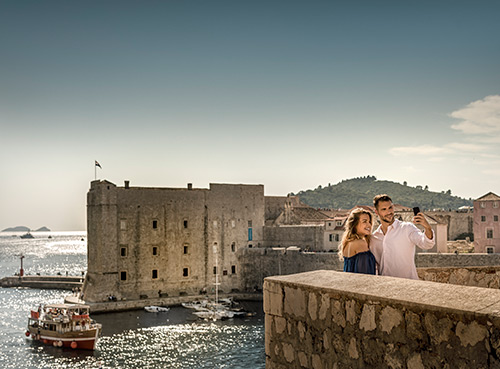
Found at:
(288, 94)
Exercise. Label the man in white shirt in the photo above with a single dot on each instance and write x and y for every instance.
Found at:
(393, 242)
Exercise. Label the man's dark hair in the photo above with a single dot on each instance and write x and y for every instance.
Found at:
(379, 198)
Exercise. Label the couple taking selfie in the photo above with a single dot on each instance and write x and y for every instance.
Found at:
(390, 249)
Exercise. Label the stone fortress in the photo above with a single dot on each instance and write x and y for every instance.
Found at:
(146, 243)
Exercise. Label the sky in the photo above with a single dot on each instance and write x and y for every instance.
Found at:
(288, 94)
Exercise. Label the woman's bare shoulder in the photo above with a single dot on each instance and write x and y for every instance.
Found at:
(356, 246)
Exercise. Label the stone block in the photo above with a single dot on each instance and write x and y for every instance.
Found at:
(316, 362)
(280, 324)
(350, 311)
(289, 352)
(273, 303)
(338, 313)
(390, 318)
(295, 302)
(324, 306)
(367, 320)
(352, 349)
(438, 329)
(471, 334)
(304, 363)
(415, 362)
(312, 306)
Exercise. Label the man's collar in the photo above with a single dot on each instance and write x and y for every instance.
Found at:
(395, 224)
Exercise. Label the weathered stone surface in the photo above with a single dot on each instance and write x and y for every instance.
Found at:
(325, 305)
(390, 318)
(295, 302)
(352, 349)
(438, 329)
(415, 362)
(273, 299)
(471, 334)
(338, 313)
(280, 324)
(288, 352)
(301, 329)
(312, 306)
(350, 310)
(367, 320)
(316, 362)
(381, 323)
(304, 363)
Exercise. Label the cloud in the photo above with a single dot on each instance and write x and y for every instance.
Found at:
(481, 117)
(435, 151)
(418, 150)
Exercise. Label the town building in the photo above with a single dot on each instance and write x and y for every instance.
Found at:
(486, 224)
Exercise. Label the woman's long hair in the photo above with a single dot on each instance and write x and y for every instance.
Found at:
(350, 229)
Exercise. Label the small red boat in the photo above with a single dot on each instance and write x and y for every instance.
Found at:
(64, 325)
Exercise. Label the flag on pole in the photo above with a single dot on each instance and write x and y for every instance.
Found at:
(97, 164)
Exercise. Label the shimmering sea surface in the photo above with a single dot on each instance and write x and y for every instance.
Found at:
(132, 339)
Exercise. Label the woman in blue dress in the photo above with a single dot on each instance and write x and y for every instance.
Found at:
(355, 245)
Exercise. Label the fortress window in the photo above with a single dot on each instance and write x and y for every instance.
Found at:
(489, 250)
(233, 269)
(123, 225)
(249, 224)
(123, 276)
(483, 218)
(331, 237)
(233, 247)
(185, 224)
(483, 204)
(185, 272)
(155, 250)
(155, 274)
(489, 233)
(233, 223)
(495, 218)
(155, 224)
(185, 250)
(337, 237)
(215, 270)
(215, 224)
(224, 272)
(495, 204)
(123, 251)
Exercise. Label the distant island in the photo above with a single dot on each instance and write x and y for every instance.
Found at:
(25, 229)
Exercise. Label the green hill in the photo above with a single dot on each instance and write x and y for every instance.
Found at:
(360, 191)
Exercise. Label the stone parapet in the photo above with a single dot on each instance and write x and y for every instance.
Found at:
(487, 277)
(327, 319)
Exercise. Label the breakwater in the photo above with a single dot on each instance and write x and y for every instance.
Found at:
(43, 282)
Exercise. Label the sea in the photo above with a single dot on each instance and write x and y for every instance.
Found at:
(131, 339)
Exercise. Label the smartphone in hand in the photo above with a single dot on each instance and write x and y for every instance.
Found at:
(416, 210)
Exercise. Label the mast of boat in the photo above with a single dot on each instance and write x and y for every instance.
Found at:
(216, 275)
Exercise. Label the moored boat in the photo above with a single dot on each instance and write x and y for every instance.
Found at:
(156, 309)
(64, 325)
(27, 235)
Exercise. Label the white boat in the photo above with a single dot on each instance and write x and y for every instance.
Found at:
(156, 309)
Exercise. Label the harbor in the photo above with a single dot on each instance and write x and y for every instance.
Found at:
(131, 337)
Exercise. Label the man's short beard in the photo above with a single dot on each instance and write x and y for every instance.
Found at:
(385, 219)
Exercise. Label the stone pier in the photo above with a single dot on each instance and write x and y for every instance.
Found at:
(331, 320)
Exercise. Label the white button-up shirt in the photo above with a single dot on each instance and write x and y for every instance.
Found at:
(395, 251)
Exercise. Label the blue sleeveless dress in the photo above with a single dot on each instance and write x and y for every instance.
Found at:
(364, 263)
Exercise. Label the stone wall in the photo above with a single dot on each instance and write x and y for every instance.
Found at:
(333, 320)
(487, 277)
(259, 263)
